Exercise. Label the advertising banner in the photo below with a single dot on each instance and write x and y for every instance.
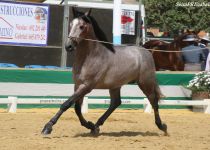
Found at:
(128, 22)
(23, 23)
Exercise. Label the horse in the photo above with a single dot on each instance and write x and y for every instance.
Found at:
(104, 66)
(170, 58)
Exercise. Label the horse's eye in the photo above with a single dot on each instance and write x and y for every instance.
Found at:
(81, 27)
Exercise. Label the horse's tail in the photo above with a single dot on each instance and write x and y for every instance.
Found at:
(158, 93)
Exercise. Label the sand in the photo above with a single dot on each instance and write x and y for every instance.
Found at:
(125, 129)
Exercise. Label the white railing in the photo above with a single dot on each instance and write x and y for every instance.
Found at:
(13, 101)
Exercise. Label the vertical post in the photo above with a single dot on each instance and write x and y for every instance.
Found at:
(65, 33)
(12, 107)
(117, 22)
(143, 24)
(207, 107)
(148, 106)
(138, 38)
(85, 105)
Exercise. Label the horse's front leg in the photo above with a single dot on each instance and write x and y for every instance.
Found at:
(87, 124)
(115, 102)
(81, 91)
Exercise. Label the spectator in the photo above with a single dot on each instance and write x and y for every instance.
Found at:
(193, 55)
(203, 44)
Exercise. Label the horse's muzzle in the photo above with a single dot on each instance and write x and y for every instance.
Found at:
(70, 45)
(69, 48)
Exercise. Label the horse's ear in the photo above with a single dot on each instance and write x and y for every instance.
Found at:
(88, 12)
(74, 11)
(197, 31)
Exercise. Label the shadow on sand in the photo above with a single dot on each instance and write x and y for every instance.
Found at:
(119, 134)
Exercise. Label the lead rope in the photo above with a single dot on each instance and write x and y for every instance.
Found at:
(154, 50)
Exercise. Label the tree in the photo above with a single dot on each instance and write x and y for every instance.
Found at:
(175, 15)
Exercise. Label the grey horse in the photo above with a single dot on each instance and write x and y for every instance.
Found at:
(104, 66)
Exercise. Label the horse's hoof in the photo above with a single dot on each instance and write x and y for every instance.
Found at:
(166, 134)
(47, 129)
(95, 132)
(164, 129)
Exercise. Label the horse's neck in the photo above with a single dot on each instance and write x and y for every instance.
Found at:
(85, 50)
(172, 45)
(176, 45)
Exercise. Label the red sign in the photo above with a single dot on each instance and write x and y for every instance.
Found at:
(126, 19)
(128, 22)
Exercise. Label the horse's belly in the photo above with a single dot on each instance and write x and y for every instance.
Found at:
(115, 81)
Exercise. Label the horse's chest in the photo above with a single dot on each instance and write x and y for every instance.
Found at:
(88, 75)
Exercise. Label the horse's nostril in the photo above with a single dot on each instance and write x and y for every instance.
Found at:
(68, 47)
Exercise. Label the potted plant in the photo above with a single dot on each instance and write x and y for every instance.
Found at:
(200, 85)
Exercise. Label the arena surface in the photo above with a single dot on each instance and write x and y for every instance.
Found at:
(125, 129)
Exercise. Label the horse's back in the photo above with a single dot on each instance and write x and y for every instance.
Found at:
(127, 64)
(140, 54)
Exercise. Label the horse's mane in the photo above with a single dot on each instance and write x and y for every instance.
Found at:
(98, 32)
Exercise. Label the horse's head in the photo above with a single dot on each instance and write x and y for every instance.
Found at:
(79, 28)
(180, 42)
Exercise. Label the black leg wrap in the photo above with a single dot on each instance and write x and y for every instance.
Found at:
(66, 105)
(100, 122)
(90, 125)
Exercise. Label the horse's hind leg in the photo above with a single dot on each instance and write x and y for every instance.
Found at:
(151, 90)
(160, 125)
(115, 102)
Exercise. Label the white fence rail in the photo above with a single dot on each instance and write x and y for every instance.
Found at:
(13, 101)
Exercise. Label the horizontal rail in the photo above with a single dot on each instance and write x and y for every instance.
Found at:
(13, 101)
(40, 101)
(103, 5)
(5, 101)
(124, 101)
(184, 103)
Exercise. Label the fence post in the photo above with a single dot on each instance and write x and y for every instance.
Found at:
(117, 22)
(85, 105)
(65, 33)
(207, 107)
(12, 107)
(147, 106)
